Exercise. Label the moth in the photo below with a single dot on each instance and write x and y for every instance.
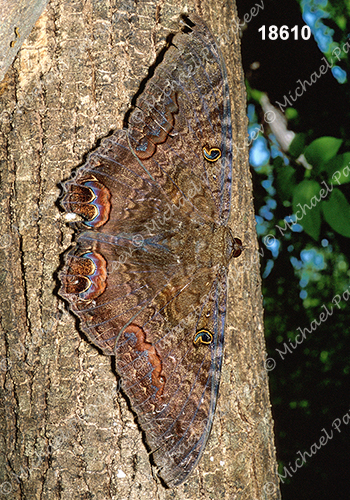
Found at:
(147, 274)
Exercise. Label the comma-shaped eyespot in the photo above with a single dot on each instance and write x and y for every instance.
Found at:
(203, 337)
(212, 154)
(90, 199)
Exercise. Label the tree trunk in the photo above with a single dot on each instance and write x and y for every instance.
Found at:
(17, 18)
(66, 430)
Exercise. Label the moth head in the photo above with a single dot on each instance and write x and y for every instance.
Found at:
(234, 246)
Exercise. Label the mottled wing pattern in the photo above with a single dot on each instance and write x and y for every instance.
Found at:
(147, 276)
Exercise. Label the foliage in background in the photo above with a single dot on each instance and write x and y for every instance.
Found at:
(302, 200)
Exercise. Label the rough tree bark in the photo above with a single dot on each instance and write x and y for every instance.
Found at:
(66, 430)
(17, 18)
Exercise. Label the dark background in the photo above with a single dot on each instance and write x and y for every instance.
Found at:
(310, 386)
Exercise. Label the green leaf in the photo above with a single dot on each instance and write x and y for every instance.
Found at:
(297, 145)
(285, 182)
(291, 113)
(307, 207)
(256, 94)
(338, 169)
(278, 162)
(336, 212)
(322, 150)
